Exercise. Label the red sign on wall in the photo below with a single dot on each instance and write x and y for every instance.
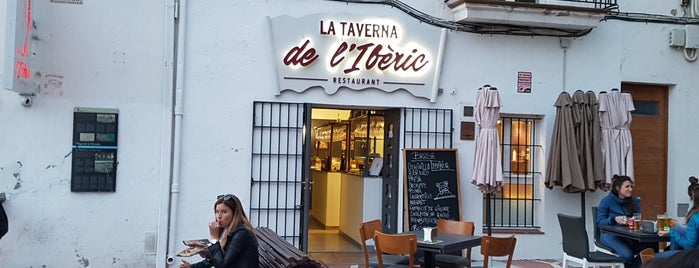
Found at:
(20, 32)
(524, 82)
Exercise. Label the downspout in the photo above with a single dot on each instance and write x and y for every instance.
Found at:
(179, 39)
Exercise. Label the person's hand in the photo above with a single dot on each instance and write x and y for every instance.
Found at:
(620, 219)
(214, 230)
(205, 254)
(185, 264)
(673, 222)
(663, 233)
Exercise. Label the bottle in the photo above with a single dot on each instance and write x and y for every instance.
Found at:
(631, 223)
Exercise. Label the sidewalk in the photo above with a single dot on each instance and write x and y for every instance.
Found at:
(494, 264)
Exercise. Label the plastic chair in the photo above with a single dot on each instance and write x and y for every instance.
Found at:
(492, 246)
(366, 232)
(576, 247)
(598, 246)
(646, 254)
(395, 245)
(454, 227)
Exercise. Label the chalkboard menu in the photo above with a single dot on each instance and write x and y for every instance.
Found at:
(431, 186)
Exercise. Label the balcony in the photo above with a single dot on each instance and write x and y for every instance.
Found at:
(574, 17)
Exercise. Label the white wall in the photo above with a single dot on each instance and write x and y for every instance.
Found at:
(228, 65)
(50, 225)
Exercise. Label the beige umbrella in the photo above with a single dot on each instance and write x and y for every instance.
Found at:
(615, 119)
(487, 163)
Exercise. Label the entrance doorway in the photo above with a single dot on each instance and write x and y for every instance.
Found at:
(285, 147)
(347, 153)
(649, 137)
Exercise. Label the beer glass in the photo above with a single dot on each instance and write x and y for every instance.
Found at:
(663, 222)
(637, 221)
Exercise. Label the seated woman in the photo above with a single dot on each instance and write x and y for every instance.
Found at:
(614, 209)
(684, 237)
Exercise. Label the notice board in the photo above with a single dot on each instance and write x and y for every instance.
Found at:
(431, 187)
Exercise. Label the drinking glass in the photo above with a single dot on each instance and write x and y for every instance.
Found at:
(663, 222)
(637, 221)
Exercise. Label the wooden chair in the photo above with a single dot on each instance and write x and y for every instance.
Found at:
(498, 246)
(454, 227)
(646, 254)
(395, 245)
(366, 232)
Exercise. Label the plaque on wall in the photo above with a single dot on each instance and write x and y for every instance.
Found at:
(94, 150)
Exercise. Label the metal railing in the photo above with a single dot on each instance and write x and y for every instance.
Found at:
(601, 4)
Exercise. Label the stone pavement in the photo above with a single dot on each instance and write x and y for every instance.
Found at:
(493, 264)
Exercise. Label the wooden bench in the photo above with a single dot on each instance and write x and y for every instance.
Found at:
(275, 252)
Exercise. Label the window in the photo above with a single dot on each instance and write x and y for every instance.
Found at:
(516, 205)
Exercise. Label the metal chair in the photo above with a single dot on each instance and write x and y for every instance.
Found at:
(366, 232)
(453, 260)
(598, 246)
(498, 246)
(395, 245)
(576, 247)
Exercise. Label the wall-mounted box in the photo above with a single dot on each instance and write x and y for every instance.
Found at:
(691, 33)
(677, 37)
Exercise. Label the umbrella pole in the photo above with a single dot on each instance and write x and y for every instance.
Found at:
(488, 214)
(582, 205)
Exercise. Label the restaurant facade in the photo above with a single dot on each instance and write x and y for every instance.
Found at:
(123, 120)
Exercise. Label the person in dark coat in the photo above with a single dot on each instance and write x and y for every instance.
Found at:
(233, 240)
(4, 225)
(615, 209)
(688, 258)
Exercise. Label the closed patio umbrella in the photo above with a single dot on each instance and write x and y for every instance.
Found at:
(563, 167)
(575, 159)
(487, 163)
(615, 119)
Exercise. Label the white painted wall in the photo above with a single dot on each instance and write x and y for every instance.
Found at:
(227, 65)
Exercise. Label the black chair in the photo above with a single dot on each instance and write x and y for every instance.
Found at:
(598, 246)
(576, 247)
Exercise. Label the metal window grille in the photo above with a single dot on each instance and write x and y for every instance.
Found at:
(427, 128)
(515, 206)
(279, 168)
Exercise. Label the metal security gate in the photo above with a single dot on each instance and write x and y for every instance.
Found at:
(428, 128)
(280, 169)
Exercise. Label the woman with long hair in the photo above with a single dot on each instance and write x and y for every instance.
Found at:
(233, 240)
(684, 237)
(615, 209)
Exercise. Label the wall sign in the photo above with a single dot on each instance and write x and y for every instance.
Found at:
(356, 52)
(18, 52)
(524, 82)
(431, 187)
(94, 150)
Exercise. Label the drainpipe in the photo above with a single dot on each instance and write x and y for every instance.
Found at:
(179, 42)
(565, 43)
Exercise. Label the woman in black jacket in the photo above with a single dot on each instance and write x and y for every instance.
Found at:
(233, 240)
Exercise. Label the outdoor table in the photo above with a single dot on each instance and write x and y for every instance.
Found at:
(636, 235)
(445, 243)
